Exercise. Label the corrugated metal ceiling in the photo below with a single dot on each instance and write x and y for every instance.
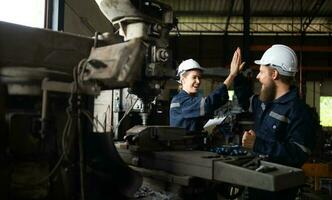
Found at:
(264, 8)
(288, 14)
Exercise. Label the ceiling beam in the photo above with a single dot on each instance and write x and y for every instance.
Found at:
(304, 68)
(304, 48)
(255, 28)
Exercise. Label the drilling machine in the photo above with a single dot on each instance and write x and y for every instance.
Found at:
(50, 128)
(48, 83)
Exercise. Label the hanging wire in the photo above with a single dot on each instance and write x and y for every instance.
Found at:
(92, 120)
(126, 113)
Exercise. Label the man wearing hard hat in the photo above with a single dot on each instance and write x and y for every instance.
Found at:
(284, 128)
(188, 109)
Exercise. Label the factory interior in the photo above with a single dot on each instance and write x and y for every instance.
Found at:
(86, 88)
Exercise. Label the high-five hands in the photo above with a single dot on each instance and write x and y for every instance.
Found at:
(236, 67)
(236, 64)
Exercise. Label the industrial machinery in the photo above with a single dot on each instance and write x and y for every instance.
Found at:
(59, 132)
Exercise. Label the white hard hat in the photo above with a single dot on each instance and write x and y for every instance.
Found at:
(280, 57)
(188, 65)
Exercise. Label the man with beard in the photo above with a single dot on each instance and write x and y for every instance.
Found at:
(284, 128)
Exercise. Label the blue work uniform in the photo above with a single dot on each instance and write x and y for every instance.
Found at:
(190, 112)
(285, 128)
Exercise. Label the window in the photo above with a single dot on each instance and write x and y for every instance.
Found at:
(24, 12)
(325, 111)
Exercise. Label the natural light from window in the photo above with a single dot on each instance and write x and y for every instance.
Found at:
(24, 12)
(325, 111)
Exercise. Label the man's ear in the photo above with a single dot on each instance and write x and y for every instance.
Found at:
(181, 79)
(275, 74)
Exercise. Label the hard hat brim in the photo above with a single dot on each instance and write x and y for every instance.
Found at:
(201, 68)
(196, 68)
(259, 62)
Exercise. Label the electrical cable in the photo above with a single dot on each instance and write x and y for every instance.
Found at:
(126, 113)
(92, 119)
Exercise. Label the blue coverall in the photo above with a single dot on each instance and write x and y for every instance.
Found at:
(285, 132)
(190, 112)
(285, 127)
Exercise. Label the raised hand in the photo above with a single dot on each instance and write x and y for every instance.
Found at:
(236, 67)
(236, 64)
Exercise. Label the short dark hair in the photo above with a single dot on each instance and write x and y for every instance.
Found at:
(289, 80)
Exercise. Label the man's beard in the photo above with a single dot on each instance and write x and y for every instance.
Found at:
(268, 93)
